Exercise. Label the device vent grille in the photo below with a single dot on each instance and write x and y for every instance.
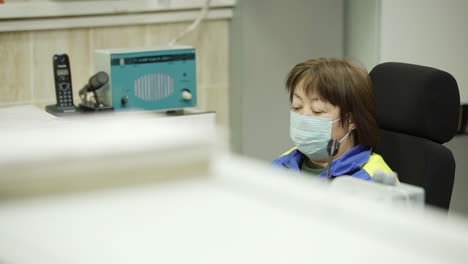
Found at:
(153, 86)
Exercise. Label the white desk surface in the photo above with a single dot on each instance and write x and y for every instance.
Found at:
(192, 221)
(233, 211)
(211, 219)
(30, 116)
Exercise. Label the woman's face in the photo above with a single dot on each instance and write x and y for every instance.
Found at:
(311, 105)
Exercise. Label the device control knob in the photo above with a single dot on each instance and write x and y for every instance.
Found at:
(186, 95)
(124, 100)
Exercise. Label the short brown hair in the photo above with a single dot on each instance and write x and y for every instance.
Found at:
(344, 85)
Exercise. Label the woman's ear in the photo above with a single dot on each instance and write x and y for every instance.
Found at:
(351, 124)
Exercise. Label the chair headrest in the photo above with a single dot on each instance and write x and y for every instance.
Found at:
(416, 100)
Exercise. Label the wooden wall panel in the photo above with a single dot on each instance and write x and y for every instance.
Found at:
(16, 67)
(47, 43)
(28, 76)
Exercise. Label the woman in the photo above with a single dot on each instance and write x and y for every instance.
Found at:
(332, 99)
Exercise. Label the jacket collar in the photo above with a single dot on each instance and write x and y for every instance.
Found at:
(350, 162)
(347, 164)
(294, 161)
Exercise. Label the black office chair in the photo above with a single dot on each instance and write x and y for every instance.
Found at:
(417, 111)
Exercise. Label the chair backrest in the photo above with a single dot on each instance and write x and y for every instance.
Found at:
(417, 111)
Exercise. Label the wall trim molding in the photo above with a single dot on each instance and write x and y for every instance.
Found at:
(57, 15)
(110, 20)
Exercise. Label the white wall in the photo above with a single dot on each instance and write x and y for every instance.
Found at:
(427, 32)
(362, 31)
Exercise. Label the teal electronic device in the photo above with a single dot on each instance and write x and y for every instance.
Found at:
(156, 78)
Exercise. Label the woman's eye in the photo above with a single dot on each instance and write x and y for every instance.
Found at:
(317, 111)
(294, 108)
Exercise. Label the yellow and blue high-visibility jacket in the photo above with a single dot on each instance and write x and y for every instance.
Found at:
(359, 162)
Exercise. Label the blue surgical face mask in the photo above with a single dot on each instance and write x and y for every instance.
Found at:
(311, 135)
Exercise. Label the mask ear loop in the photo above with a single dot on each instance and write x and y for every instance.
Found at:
(339, 118)
(347, 134)
(336, 120)
(342, 139)
(339, 142)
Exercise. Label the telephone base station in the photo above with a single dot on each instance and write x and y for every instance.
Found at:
(73, 110)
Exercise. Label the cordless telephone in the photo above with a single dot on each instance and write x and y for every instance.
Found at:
(62, 77)
(63, 85)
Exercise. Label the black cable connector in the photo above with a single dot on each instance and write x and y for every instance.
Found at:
(332, 150)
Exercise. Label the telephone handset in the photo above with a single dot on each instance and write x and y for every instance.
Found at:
(62, 78)
(63, 86)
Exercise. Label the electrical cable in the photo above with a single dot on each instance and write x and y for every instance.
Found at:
(194, 25)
